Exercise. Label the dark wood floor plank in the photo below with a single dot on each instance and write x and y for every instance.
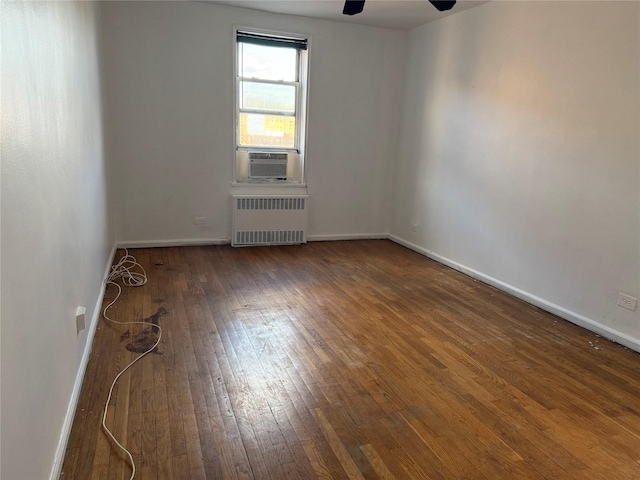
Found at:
(344, 360)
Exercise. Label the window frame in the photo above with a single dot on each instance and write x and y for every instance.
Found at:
(301, 85)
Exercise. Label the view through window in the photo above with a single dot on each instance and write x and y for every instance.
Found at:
(269, 91)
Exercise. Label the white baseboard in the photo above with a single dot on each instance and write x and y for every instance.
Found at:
(58, 460)
(354, 236)
(178, 242)
(580, 320)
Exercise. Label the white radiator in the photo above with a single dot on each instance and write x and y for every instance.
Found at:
(269, 220)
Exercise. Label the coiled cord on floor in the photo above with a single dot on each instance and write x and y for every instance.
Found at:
(132, 274)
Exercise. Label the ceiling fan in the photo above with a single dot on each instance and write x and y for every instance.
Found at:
(352, 7)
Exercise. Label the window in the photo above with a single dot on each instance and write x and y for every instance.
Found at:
(270, 100)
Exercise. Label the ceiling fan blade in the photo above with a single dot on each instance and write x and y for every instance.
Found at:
(353, 7)
(443, 5)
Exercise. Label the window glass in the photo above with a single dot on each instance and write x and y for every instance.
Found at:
(267, 130)
(267, 96)
(269, 63)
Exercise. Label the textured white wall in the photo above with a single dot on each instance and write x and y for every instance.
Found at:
(169, 83)
(519, 150)
(55, 238)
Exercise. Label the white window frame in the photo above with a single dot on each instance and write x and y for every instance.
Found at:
(296, 154)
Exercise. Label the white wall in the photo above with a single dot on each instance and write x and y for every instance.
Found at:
(55, 235)
(169, 83)
(519, 151)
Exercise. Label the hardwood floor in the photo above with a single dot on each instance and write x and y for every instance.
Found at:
(350, 360)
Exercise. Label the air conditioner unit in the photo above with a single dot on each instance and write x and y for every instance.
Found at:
(268, 165)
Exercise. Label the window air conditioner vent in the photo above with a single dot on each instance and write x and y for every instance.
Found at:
(268, 165)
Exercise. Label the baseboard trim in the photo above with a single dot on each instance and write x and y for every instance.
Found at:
(355, 236)
(186, 242)
(178, 242)
(65, 433)
(575, 318)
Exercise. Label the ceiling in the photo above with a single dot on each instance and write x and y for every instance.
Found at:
(400, 14)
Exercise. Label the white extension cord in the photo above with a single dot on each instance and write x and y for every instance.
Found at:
(127, 269)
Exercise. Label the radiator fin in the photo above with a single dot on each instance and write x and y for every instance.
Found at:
(268, 203)
(269, 237)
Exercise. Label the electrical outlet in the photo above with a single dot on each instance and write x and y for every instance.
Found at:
(414, 227)
(627, 301)
(80, 325)
(200, 221)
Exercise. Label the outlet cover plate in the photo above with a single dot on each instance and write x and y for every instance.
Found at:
(80, 323)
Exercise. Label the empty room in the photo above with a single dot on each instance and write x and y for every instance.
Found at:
(320, 240)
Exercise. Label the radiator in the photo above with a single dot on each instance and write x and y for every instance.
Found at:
(269, 220)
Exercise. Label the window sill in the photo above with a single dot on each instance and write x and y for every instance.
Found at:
(280, 188)
(269, 184)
